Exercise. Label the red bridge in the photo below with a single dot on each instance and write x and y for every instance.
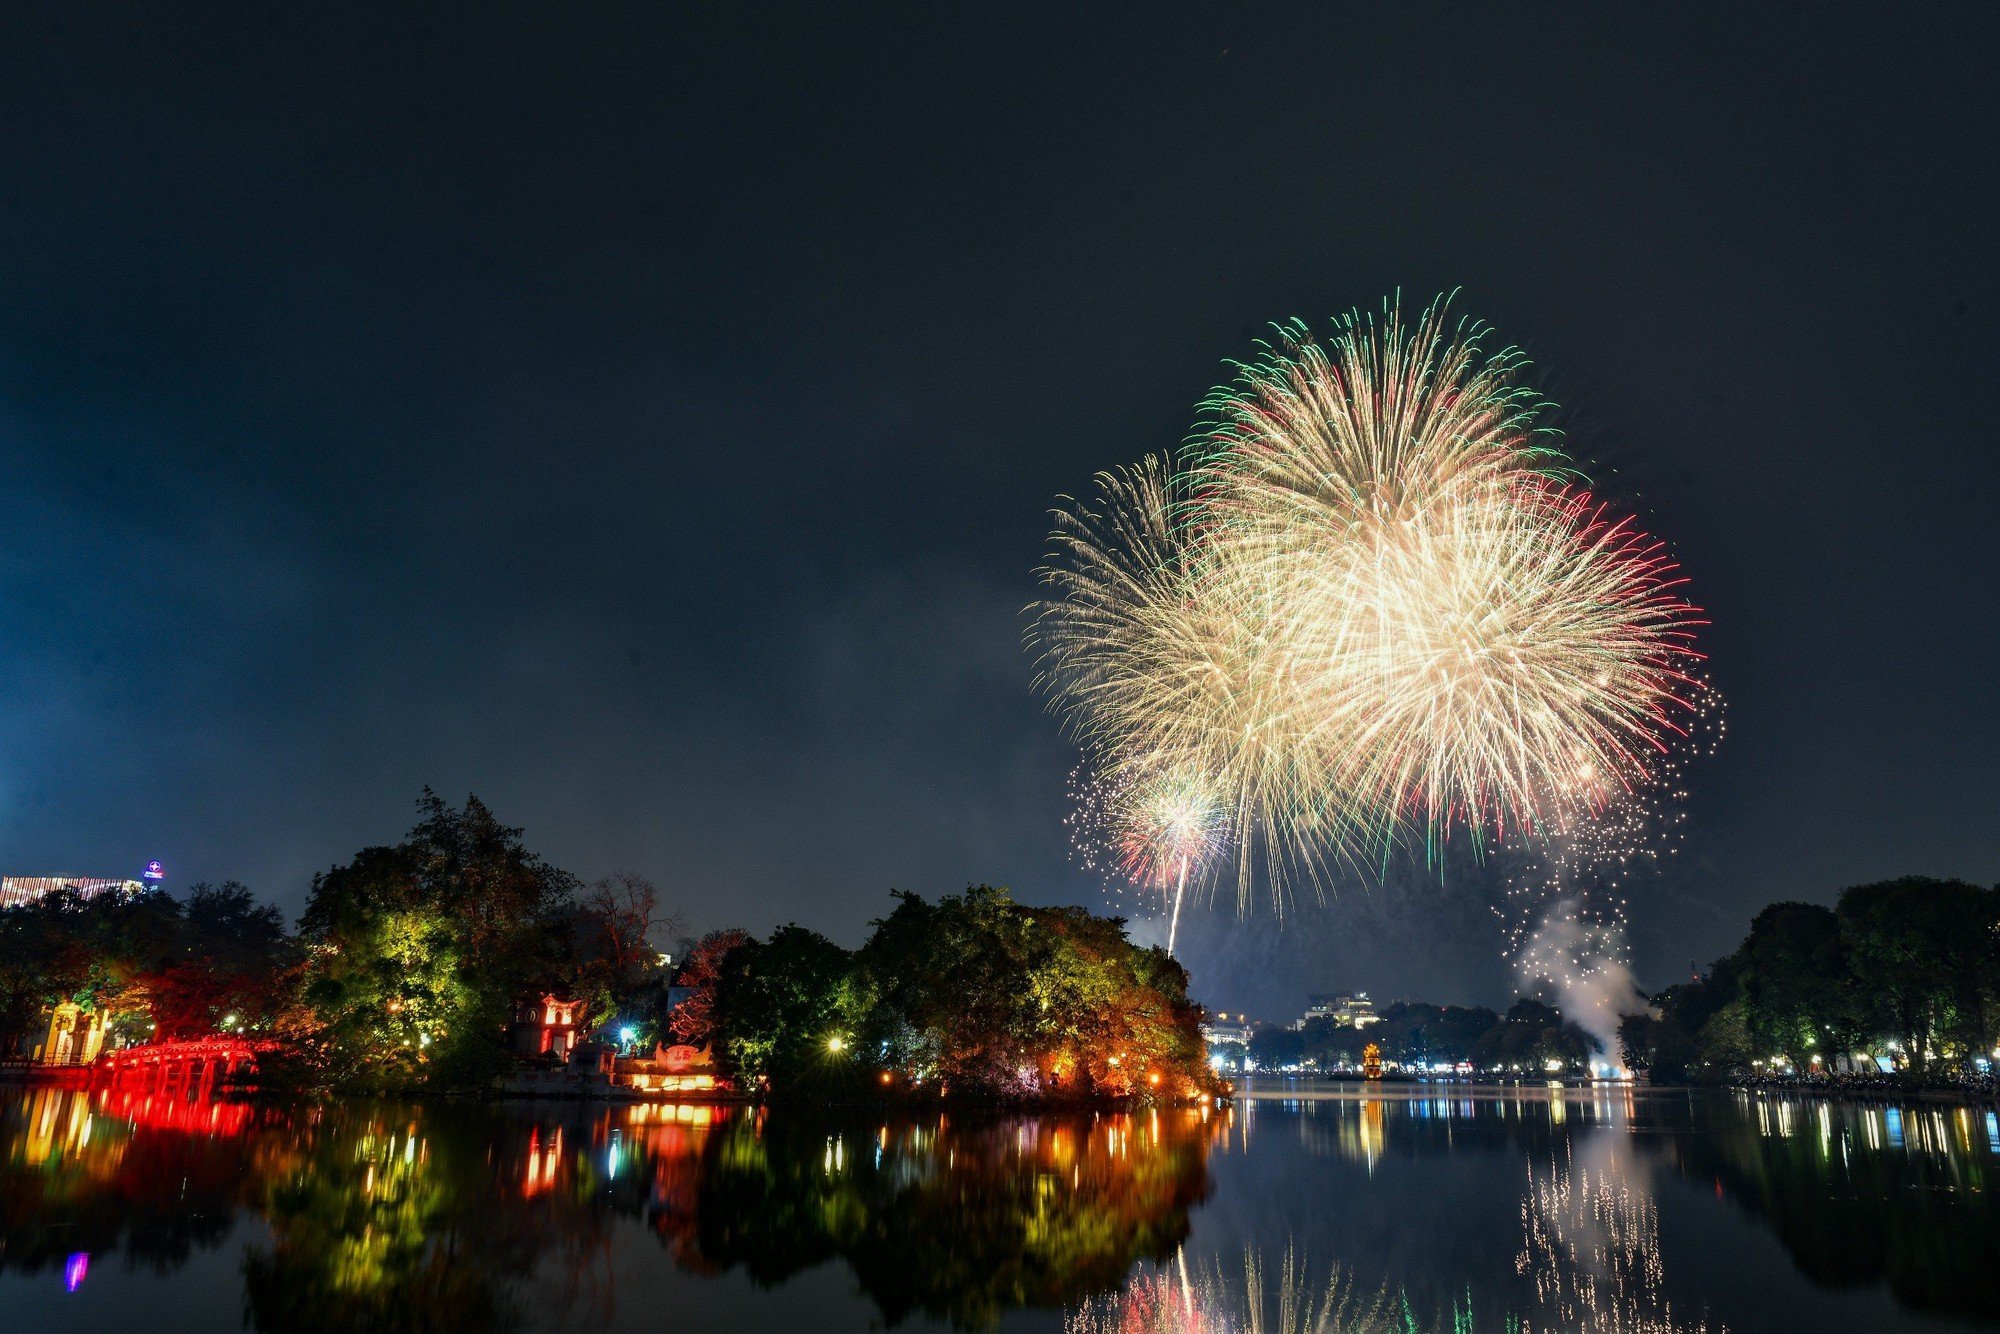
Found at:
(194, 1066)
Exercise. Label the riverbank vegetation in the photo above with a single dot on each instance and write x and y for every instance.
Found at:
(973, 995)
(1899, 977)
(411, 963)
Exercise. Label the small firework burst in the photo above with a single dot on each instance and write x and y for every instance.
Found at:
(1155, 831)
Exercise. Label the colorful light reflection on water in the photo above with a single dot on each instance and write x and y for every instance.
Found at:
(1614, 1209)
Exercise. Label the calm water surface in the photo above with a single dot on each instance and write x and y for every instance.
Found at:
(1509, 1211)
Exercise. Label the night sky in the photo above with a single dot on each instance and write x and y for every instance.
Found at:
(649, 421)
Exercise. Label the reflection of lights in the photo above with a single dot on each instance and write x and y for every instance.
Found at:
(74, 1270)
(543, 1163)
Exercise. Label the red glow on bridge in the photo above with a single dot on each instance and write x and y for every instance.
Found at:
(178, 1069)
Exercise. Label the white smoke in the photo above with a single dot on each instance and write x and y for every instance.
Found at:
(1582, 959)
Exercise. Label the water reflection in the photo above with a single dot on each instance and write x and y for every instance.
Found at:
(1525, 1210)
(1862, 1194)
(1590, 1242)
(1256, 1299)
(399, 1217)
(1861, 1197)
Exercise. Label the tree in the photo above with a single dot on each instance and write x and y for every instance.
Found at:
(987, 996)
(1798, 995)
(1274, 1048)
(692, 1020)
(1326, 1044)
(227, 957)
(783, 1009)
(612, 931)
(1922, 954)
(974, 995)
(1667, 1043)
(1530, 1036)
(417, 953)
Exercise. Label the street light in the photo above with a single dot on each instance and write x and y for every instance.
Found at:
(836, 1044)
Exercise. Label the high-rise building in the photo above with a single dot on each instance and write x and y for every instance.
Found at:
(16, 890)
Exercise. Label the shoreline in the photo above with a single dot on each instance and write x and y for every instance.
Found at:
(1356, 1090)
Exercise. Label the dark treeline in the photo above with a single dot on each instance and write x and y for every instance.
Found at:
(411, 960)
(1907, 971)
(1415, 1035)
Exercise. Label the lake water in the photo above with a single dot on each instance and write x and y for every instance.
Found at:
(1407, 1209)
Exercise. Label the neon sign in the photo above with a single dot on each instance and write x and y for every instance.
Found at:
(153, 871)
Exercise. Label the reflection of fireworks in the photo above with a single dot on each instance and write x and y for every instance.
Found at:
(1176, 1300)
(1371, 604)
(1591, 1246)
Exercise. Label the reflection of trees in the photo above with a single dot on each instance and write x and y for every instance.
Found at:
(1863, 1194)
(467, 1218)
(959, 1220)
(366, 1234)
(73, 1179)
(441, 1219)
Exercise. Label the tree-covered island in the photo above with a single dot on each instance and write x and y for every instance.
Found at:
(421, 967)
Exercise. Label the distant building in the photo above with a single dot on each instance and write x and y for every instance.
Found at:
(17, 890)
(1344, 1010)
(1225, 1027)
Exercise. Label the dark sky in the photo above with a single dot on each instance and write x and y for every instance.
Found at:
(648, 420)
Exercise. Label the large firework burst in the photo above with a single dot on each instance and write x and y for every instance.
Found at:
(1370, 601)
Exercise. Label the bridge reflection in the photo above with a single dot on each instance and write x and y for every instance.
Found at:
(466, 1217)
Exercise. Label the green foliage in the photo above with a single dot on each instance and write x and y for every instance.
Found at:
(787, 1013)
(1531, 1035)
(147, 961)
(1798, 996)
(1276, 1048)
(1922, 954)
(1417, 1034)
(975, 995)
(1908, 968)
(417, 953)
